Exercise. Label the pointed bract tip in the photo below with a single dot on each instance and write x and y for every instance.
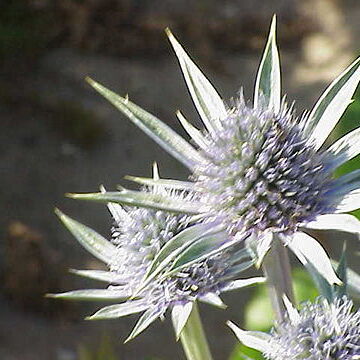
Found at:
(50, 295)
(232, 326)
(90, 81)
(273, 21)
(102, 189)
(58, 212)
(128, 339)
(72, 195)
(168, 32)
(156, 175)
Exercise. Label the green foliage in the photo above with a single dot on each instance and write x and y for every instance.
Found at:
(258, 312)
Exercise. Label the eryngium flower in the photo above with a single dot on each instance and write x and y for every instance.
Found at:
(258, 168)
(159, 261)
(319, 331)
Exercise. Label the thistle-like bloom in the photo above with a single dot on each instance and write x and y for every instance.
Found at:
(319, 331)
(258, 168)
(158, 261)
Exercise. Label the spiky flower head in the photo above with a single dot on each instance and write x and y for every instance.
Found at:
(259, 168)
(158, 261)
(319, 331)
(259, 173)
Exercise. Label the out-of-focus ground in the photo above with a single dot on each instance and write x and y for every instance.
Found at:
(57, 135)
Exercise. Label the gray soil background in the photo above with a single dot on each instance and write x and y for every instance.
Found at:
(41, 159)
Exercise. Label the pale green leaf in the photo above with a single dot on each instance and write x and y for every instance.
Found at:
(101, 275)
(213, 299)
(241, 283)
(293, 314)
(119, 310)
(199, 250)
(179, 315)
(145, 320)
(208, 103)
(346, 147)
(92, 295)
(332, 104)
(152, 126)
(179, 243)
(309, 250)
(93, 242)
(349, 202)
(143, 199)
(166, 183)
(268, 80)
(254, 339)
(340, 222)
(194, 133)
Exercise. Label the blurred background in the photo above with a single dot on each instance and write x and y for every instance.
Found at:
(57, 135)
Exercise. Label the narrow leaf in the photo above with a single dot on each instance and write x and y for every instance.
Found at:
(152, 126)
(341, 271)
(241, 283)
(143, 199)
(119, 310)
(293, 314)
(346, 147)
(92, 295)
(352, 281)
(350, 202)
(180, 242)
(203, 248)
(101, 275)
(179, 315)
(308, 250)
(194, 133)
(254, 339)
(340, 222)
(145, 320)
(208, 103)
(268, 81)
(213, 299)
(93, 242)
(166, 183)
(332, 104)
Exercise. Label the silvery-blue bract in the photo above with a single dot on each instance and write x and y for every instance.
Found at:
(319, 331)
(258, 169)
(158, 261)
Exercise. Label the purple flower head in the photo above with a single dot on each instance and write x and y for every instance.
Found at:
(259, 172)
(322, 331)
(159, 261)
(319, 331)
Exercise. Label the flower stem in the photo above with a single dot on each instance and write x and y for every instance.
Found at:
(193, 338)
(277, 270)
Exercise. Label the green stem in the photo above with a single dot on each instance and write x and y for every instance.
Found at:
(277, 270)
(193, 338)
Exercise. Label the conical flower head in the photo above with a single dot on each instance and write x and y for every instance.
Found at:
(139, 234)
(260, 173)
